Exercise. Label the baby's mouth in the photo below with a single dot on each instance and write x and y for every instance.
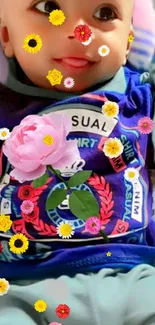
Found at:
(74, 63)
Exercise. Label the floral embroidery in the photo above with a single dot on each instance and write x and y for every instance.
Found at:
(32, 43)
(31, 217)
(26, 192)
(105, 194)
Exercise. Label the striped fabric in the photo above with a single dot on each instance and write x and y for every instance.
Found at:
(143, 47)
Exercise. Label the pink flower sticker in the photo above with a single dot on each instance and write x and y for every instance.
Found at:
(55, 323)
(145, 125)
(93, 225)
(27, 206)
(39, 141)
(69, 82)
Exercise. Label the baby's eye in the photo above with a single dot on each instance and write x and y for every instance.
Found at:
(105, 14)
(46, 6)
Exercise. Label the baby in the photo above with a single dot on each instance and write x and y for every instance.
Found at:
(69, 275)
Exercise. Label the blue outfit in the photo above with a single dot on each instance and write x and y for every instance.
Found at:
(125, 210)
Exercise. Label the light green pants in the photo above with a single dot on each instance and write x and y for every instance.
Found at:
(106, 298)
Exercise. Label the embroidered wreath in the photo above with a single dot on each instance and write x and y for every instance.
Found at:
(28, 192)
(105, 195)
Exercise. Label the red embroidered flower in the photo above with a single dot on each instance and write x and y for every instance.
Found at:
(31, 217)
(82, 33)
(1, 248)
(26, 192)
(62, 311)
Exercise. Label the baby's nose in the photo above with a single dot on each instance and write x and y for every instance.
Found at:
(71, 37)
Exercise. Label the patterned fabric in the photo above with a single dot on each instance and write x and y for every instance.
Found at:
(143, 47)
(125, 207)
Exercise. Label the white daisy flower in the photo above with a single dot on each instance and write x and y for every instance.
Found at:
(131, 174)
(69, 82)
(87, 42)
(4, 134)
(103, 50)
(65, 229)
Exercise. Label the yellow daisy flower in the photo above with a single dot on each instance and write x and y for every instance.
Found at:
(4, 286)
(4, 134)
(40, 306)
(55, 77)
(18, 243)
(110, 109)
(131, 38)
(5, 223)
(32, 43)
(65, 229)
(113, 148)
(57, 17)
(131, 174)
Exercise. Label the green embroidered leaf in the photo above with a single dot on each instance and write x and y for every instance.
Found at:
(40, 181)
(55, 198)
(83, 204)
(79, 178)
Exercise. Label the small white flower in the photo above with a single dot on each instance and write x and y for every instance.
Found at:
(69, 82)
(131, 174)
(88, 41)
(103, 50)
(4, 134)
(65, 229)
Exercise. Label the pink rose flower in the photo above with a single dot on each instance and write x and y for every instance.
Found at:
(93, 225)
(39, 141)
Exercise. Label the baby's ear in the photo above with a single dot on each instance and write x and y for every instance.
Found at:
(5, 41)
(131, 35)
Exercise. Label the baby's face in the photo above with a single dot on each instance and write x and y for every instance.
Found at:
(109, 22)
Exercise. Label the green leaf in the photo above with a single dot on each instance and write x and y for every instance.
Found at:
(83, 204)
(55, 198)
(40, 181)
(79, 178)
(57, 171)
